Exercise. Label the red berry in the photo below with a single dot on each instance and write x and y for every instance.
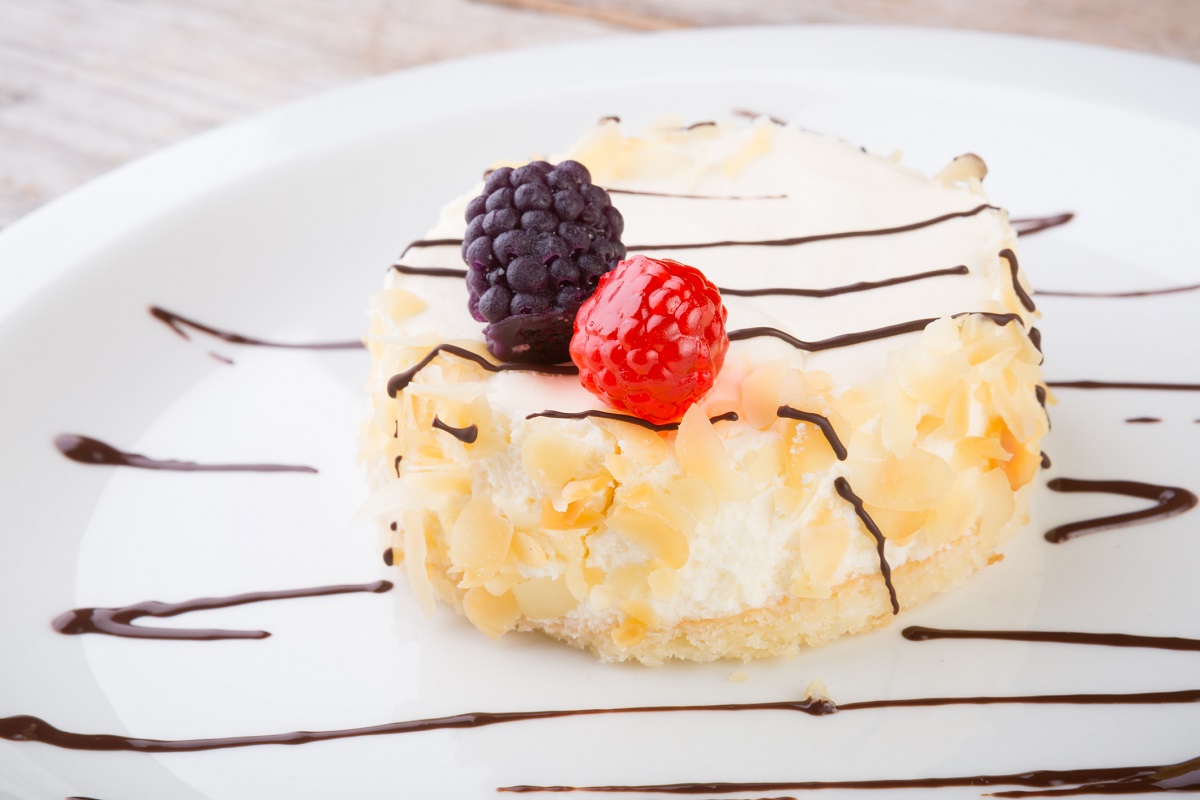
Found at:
(651, 340)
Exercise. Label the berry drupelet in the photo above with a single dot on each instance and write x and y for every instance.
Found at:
(537, 241)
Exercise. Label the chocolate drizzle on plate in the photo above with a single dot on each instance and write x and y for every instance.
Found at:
(1144, 420)
(180, 324)
(1045, 460)
(728, 416)
(1139, 293)
(120, 621)
(842, 486)
(398, 382)
(1027, 226)
(1168, 501)
(919, 633)
(94, 452)
(1180, 777)
(466, 435)
(1150, 387)
(861, 286)
(819, 237)
(25, 728)
(822, 422)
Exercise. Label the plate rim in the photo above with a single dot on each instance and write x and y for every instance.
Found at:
(34, 254)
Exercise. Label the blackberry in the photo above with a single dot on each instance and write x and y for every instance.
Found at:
(537, 241)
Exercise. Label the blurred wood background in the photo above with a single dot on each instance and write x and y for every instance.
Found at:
(87, 85)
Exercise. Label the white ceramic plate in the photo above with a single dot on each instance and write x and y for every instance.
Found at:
(281, 227)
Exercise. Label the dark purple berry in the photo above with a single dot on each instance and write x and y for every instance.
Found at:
(476, 207)
(532, 197)
(526, 175)
(595, 196)
(526, 275)
(578, 237)
(539, 221)
(501, 220)
(479, 253)
(537, 241)
(499, 199)
(567, 204)
(494, 303)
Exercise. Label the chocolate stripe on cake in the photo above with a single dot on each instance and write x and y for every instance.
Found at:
(637, 193)
(848, 339)
(842, 486)
(398, 382)
(1027, 226)
(1181, 777)
(26, 728)
(919, 633)
(1168, 501)
(1014, 270)
(423, 243)
(821, 422)
(861, 286)
(1191, 287)
(178, 324)
(820, 237)
(94, 452)
(430, 272)
(1151, 387)
(466, 435)
(120, 621)
(728, 416)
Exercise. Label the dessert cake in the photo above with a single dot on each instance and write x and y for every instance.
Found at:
(868, 441)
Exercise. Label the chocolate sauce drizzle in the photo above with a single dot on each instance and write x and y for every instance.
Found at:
(822, 422)
(94, 452)
(398, 382)
(120, 621)
(1014, 269)
(674, 196)
(1191, 287)
(919, 633)
(389, 557)
(466, 435)
(842, 486)
(25, 728)
(1168, 502)
(1153, 387)
(820, 237)
(179, 324)
(1045, 460)
(663, 427)
(422, 243)
(432, 272)
(861, 286)
(1027, 226)
(1181, 777)
(859, 337)
(1144, 420)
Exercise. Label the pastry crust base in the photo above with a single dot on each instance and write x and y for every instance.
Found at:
(794, 623)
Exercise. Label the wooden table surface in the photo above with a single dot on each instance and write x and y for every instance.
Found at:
(87, 85)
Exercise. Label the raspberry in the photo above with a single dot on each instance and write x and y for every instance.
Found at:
(537, 241)
(652, 339)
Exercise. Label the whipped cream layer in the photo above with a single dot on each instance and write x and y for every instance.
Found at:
(902, 404)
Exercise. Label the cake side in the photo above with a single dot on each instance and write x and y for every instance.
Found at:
(913, 391)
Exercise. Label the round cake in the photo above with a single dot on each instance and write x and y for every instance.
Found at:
(868, 442)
